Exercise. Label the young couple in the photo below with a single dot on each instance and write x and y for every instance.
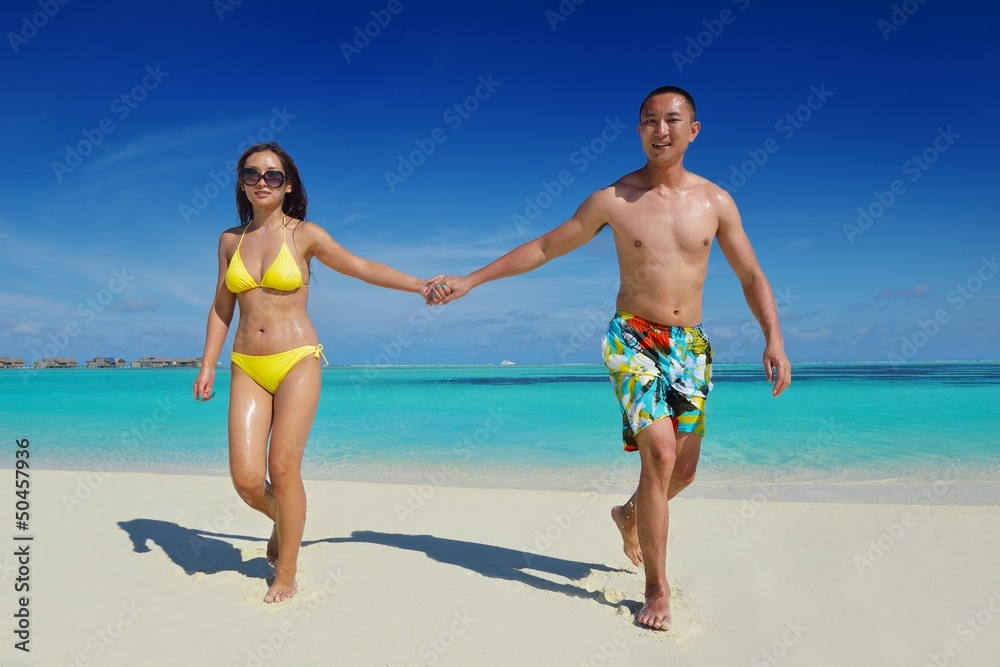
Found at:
(663, 219)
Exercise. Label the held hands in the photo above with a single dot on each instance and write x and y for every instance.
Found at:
(440, 290)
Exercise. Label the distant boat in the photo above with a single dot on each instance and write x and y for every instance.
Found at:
(507, 362)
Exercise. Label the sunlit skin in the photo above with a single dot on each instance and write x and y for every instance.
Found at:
(664, 220)
(267, 475)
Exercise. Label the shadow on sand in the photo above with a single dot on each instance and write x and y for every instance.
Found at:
(202, 551)
(195, 550)
(492, 561)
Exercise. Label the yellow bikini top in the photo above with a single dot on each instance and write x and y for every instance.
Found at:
(283, 274)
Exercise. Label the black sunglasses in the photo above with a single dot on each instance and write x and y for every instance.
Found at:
(251, 177)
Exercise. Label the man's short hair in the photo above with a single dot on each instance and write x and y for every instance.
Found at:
(663, 90)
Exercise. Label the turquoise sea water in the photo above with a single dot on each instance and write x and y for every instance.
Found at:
(523, 425)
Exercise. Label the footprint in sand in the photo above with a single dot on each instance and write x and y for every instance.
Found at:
(623, 591)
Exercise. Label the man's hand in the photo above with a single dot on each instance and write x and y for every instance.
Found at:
(777, 367)
(433, 290)
(445, 289)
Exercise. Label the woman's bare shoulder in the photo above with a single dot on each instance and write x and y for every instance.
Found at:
(231, 236)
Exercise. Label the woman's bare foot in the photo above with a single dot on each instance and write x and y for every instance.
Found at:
(624, 517)
(272, 547)
(283, 588)
(655, 614)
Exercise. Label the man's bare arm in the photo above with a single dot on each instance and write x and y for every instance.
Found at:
(739, 253)
(569, 236)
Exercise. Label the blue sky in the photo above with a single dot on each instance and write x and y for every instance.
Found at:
(431, 136)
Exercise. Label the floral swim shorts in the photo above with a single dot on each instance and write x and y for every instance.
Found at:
(658, 371)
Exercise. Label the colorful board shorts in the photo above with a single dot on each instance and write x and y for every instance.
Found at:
(658, 371)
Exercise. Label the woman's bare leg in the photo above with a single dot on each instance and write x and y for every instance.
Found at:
(294, 410)
(249, 426)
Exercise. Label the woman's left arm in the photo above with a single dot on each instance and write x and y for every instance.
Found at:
(323, 247)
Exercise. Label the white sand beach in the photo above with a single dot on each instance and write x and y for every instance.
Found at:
(150, 569)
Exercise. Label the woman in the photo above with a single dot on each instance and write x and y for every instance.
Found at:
(275, 384)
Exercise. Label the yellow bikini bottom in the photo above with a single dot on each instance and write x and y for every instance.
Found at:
(269, 370)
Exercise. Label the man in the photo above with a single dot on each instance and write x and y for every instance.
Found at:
(663, 219)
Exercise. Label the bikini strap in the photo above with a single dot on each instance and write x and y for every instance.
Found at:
(245, 227)
(284, 225)
(319, 353)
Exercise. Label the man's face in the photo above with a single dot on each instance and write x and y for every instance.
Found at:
(666, 128)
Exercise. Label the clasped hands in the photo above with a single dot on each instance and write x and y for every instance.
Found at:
(440, 290)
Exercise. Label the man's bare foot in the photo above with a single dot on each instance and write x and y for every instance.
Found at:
(655, 614)
(283, 588)
(624, 517)
(272, 547)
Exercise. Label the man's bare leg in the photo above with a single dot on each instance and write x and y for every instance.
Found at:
(658, 455)
(624, 518)
(688, 453)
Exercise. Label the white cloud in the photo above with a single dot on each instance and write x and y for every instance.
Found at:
(28, 328)
(794, 245)
(811, 334)
(175, 139)
(920, 290)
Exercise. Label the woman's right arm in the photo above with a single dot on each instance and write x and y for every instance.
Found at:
(219, 318)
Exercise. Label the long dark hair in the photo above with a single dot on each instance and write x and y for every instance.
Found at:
(295, 202)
